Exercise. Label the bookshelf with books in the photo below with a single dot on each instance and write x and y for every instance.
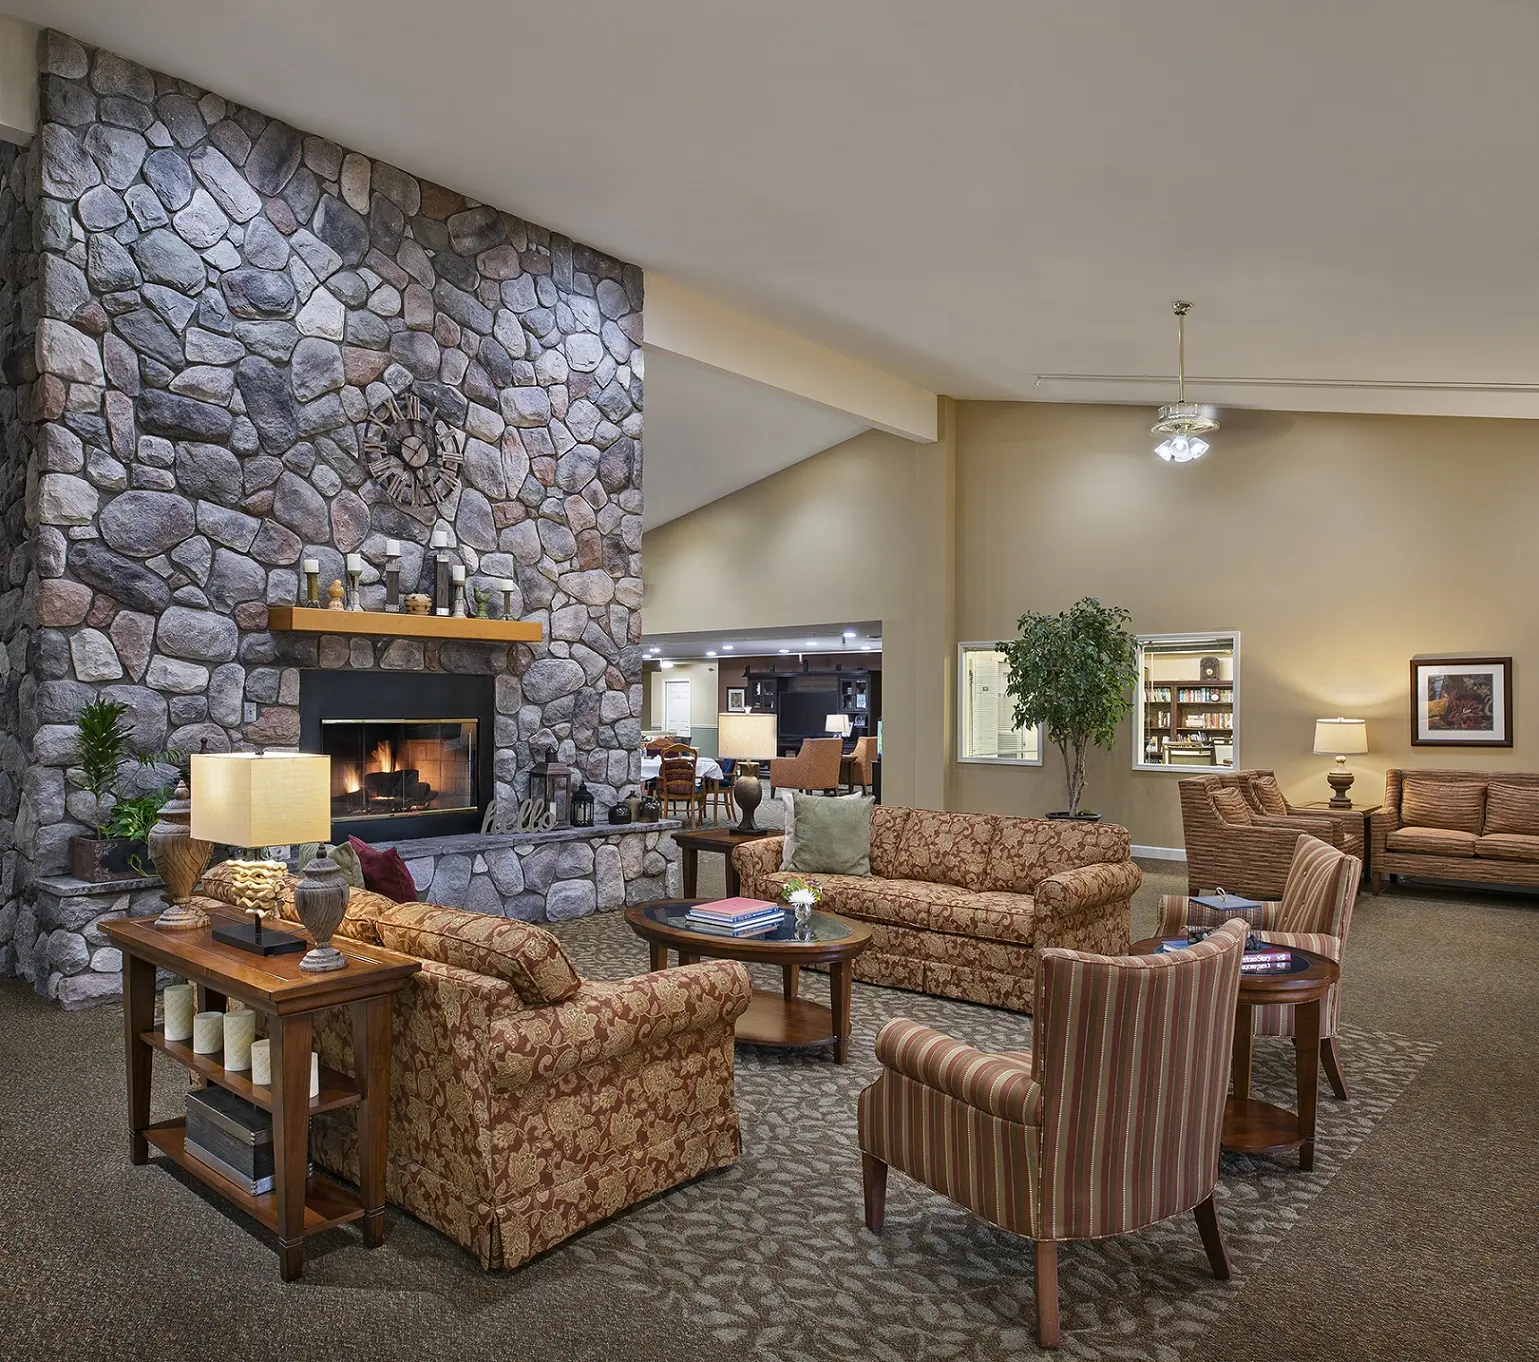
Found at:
(1188, 715)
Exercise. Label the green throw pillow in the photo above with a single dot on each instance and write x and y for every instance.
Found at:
(347, 861)
(833, 836)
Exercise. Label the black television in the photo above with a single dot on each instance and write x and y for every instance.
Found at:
(804, 713)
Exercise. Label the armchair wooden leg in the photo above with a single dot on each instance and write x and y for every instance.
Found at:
(1047, 1292)
(1378, 883)
(1212, 1237)
(873, 1178)
(1330, 1057)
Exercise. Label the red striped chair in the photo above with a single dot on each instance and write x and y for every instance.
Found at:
(1111, 1122)
(1314, 913)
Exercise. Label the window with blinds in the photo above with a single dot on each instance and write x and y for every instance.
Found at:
(987, 731)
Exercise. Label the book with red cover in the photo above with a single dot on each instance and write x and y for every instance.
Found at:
(731, 911)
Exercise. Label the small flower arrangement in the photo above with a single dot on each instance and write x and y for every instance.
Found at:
(800, 893)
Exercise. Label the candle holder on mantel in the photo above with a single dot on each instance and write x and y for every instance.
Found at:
(393, 576)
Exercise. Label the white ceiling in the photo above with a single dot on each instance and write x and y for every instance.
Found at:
(971, 194)
(709, 433)
(791, 641)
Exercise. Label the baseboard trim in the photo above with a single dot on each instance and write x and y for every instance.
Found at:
(1160, 853)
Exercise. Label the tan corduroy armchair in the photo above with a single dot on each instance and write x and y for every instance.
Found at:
(1243, 841)
(1315, 913)
(1099, 1130)
(862, 758)
(815, 767)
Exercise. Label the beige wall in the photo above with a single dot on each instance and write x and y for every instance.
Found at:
(858, 532)
(1338, 546)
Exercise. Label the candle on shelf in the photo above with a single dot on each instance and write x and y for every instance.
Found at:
(239, 1034)
(393, 575)
(355, 562)
(457, 572)
(443, 586)
(261, 1062)
(207, 1033)
(440, 539)
(315, 1074)
(181, 1001)
(354, 571)
(506, 587)
(312, 571)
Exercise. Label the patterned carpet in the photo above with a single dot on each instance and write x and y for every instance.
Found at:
(772, 1256)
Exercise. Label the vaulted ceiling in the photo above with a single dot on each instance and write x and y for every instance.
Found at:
(979, 193)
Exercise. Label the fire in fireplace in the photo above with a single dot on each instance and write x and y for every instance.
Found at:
(381, 768)
(411, 752)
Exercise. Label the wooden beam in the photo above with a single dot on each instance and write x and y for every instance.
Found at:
(305, 620)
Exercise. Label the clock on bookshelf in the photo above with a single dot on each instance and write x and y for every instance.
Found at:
(1208, 669)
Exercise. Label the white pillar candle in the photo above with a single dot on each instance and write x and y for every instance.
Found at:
(311, 565)
(392, 548)
(239, 1033)
(207, 1033)
(261, 1062)
(440, 539)
(181, 1001)
(457, 572)
(315, 1074)
(506, 584)
(355, 562)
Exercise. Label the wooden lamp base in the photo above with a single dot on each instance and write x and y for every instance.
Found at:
(1340, 781)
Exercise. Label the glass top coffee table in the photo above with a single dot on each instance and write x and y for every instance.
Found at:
(782, 1019)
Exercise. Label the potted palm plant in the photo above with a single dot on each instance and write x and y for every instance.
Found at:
(120, 847)
(1074, 673)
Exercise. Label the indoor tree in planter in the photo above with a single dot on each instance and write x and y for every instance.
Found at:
(1073, 673)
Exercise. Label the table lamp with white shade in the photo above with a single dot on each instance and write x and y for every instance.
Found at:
(746, 738)
(1340, 738)
(838, 725)
(247, 799)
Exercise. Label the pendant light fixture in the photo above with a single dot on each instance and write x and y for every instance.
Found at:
(1182, 423)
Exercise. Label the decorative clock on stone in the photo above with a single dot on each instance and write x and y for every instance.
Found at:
(413, 453)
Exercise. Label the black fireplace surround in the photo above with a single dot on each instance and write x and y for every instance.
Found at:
(411, 751)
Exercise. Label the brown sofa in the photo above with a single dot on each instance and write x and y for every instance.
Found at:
(1479, 826)
(527, 1103)
(960, 903)
(1247, 847)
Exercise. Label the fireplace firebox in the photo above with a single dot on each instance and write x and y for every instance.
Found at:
(411, 754)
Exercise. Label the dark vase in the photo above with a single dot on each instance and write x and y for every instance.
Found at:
(98, 859)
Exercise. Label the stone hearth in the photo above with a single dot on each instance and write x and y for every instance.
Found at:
(200, 307)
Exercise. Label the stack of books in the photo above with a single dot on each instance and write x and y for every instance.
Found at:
(735, 917)
(1267, 959)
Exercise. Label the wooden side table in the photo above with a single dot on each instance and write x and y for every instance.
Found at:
(277, 988)
(1364, 812)
(692, 841)
(1252, 1126)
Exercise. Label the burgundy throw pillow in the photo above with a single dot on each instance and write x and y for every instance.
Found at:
(384, 872)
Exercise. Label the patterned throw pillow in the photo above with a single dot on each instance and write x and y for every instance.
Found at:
(1456, 804)
(527, 957)
(1512, 808)
(1269, 794)
(1231, 807)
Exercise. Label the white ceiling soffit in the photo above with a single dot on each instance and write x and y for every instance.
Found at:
(808, 639)
(709, 433)
(974, 194)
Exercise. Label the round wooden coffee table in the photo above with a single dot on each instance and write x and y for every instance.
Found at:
(1252, 1126)
(772, 1018)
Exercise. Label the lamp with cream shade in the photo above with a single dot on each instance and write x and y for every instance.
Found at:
(1340, 738)
(838, 724)
(248, 799)
(746, 738)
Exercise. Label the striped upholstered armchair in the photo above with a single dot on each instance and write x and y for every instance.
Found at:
(1099, 1130)
(1314, 913)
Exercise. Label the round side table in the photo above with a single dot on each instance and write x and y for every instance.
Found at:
(1250, 1125)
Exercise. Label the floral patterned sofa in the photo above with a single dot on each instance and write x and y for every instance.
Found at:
(959, 903)
(527, 1103)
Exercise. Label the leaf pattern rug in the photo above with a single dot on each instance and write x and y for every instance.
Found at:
(772, 1257)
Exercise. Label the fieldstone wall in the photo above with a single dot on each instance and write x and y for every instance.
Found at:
(73, 961)
(546, 876)
(210, 305)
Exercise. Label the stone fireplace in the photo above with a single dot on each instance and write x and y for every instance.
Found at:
(210, 324)
(411, 753)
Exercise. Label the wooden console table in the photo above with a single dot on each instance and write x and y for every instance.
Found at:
(277, 988)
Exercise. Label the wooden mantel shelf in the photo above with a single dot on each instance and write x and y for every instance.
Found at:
(305, 620)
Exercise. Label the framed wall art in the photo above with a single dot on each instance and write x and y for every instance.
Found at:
(1461, 702)
(737, 699)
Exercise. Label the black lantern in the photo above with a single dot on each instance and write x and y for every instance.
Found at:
(582, 807)
(551, 780)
